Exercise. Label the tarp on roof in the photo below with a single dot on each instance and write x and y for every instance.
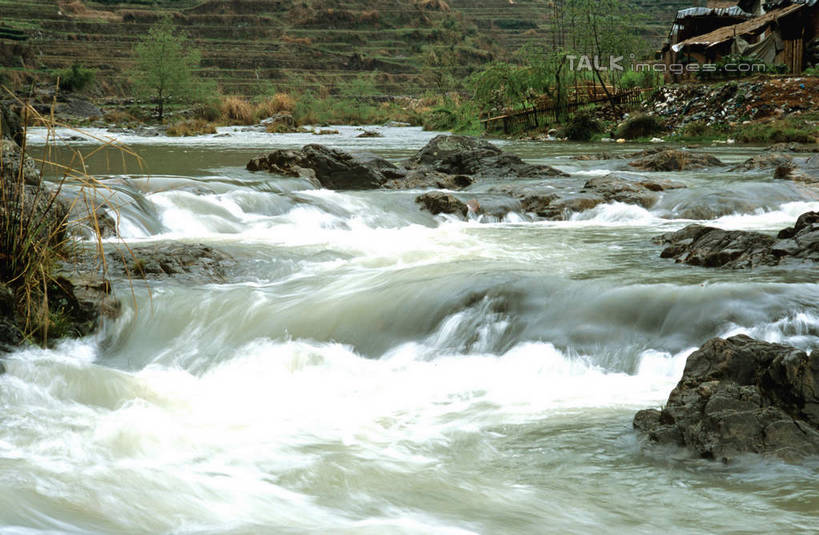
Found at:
(734, 11)
(748, 27)
(765, 50)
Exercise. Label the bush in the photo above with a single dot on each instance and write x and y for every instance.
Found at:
(640, 125)
(783, 131)
(236, 110)
(271, 105)
(582, 126)
(191, 127)
(813, 71)
(633, 79)
(209, 111)
(76, 78)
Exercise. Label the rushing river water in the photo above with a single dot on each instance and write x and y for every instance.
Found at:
(369, 368)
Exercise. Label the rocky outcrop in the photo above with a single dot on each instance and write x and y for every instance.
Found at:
(675, 160)
(181, 261)
(330, 168)
(616, 188)
(800, 170)
(452, 162)
(764, 161)
(280, 123)
(698, 245)
(10, 124)
(738, 396)
(437, 202)
(464, 155)
(16, 165)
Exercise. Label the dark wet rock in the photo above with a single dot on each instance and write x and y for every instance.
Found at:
(77, 107)
(764, 161)
(427, 178)
(464, 155)
(792, 147)
(675, 160)
(12, 162)
(332, 168)
(557, 207)
(800, 170)
(698, 245)
(739, 396)
(370, 134)
(598, 156)
(444, 163)
(438, 202)
(616, 188)
(280, 123)
(10, 124)
(800, 241)
(180, 261)
(10, 335)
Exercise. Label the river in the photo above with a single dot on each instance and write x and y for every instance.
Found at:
(368, 368)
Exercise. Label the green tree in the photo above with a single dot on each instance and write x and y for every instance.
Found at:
(165, 63)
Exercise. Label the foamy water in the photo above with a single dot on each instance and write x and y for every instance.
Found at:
(370, 368)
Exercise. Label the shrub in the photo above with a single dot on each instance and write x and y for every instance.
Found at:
(640, 125)
(119, 117)
(278, 103)
(191, 127)
(645, 79)
(76, 78)
(813, 71)
(236, 110)
(582, 126)
(39, 304)
(209, 111)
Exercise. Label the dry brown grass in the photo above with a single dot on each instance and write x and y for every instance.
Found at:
(236, 110)
(296, 40)
(278, 103)
(34, 224)
(77, 9)
(191, 127)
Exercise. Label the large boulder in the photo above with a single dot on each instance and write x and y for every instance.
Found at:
(332, 168)
(624, 189)
(15, 165)
(184, 262)
(764, 161)
(675, 160)
(699, 245)
(738, 396)
(437, 202)
(465, 155)
(451, 162)
(10, 124)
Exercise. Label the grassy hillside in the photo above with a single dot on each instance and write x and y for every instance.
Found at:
(249, 45)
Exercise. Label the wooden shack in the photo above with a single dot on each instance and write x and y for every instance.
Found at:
(780, 35)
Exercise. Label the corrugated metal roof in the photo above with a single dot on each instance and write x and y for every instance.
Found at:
(776, 4)
(734, 11)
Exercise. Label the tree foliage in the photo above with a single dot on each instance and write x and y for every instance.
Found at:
(580, 28)
(165, 63)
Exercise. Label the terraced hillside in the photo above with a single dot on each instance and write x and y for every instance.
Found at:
(250, 44)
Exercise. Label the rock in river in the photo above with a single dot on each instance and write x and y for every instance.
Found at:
(675, 160)
(698, 245)
(740, 396)
(438, 202)
(445, 162)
